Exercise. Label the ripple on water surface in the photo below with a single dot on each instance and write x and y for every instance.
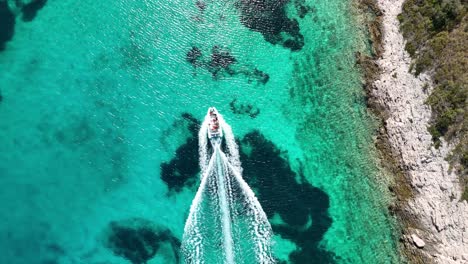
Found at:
(101, 102)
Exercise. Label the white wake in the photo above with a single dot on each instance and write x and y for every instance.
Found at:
(226, 223)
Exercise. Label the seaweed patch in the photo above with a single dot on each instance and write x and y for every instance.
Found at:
(135, 55)
(244, 109)
(30, 10)
(221, 59)
(269, 18)
(138, 240)
(259, 76)
(183, 168)
(302, 9)
(302, 207)
(222, 63)
(181, 171)
(194, 56)
(201, 5)
(7, 24)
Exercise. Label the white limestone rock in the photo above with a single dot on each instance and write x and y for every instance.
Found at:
(418, 241)
(437, 201)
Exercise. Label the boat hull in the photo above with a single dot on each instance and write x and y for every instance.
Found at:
(214, 132)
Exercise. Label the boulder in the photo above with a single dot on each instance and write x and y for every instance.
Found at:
(418, 242)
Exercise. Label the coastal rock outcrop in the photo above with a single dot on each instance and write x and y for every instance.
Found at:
(436, 205)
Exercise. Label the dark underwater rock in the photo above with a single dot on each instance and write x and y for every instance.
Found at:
(7, 24)
(138, 240)
(30, 10)
(270, 19)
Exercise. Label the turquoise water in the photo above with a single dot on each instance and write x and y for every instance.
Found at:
(101, 102)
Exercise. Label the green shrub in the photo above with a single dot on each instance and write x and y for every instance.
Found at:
(436, 32)
(410, 48)
(464, 159)
(434, 132)
(444, 120)
(438, 43)
(465, 194)
(400, 18)
(423, 63)
(425, 87)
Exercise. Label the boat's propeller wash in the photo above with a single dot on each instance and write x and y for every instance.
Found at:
(226, 223)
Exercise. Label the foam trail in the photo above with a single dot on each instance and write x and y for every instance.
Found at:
(191, 229)
(224, 206)
(226, 223)
(260, 228)
(203, 145)
(232, 148)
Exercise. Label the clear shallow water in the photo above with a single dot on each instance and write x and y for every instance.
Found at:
(100, 108)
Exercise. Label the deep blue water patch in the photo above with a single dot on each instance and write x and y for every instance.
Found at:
(222, 63)
(182, 169)
(303, 207)
(244, 109)
(138, 240)
(7, 24)
(269, 17)
(30, 10)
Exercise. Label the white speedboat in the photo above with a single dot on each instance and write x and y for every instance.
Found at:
(215, 132)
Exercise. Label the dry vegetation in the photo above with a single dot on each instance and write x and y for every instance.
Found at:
(437, 39)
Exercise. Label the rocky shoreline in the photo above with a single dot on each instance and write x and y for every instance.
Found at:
(434, 219)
